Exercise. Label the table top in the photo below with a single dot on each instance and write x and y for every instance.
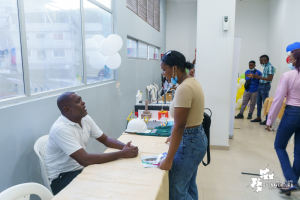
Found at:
(267, 106)
(124, 178)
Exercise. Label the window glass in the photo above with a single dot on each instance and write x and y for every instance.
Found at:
(151, 52)
(143, 50)
(97, 24)
(156, 53)
(59, 53)
(11, 71)
(131, 48)
(58, 36)
(47, 20)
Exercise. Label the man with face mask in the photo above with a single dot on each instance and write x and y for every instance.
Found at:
(65, 156)
(251, 92)
(264, 85)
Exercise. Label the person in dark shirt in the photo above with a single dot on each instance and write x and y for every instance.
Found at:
(251, 93)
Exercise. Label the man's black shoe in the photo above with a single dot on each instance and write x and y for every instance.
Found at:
(263, 123)
(249, 116)
(239, 116)
(256, 120)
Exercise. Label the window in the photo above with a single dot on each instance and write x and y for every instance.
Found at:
(56, 16)
(58, 36)
(143, 50)
(11, 71)
(41, 55)
(148, 10)
(156, 50)
(59, 53)
(151, 52)
(131, 48)
(97, 24)
(40, 36)
(53, 45)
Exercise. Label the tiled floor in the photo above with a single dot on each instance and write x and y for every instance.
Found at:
(251, 149)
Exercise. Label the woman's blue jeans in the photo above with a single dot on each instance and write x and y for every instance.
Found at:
(290, 123)
(182, 176)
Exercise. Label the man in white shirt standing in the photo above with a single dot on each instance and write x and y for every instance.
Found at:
(65, 156)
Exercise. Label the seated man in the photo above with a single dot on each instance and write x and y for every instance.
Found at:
(65, 156)
(250, 93)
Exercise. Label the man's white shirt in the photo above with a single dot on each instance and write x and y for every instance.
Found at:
(65, 138)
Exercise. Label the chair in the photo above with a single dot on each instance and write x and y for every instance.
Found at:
(23, 192)
(40, 149)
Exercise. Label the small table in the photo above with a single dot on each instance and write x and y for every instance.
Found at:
(123, 179)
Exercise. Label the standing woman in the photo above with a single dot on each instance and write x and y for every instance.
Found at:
(289, 86)
(188, 142)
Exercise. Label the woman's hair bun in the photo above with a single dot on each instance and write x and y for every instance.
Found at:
(188, 65)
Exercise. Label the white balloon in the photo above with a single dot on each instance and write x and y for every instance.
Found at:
(239, 86)
(98, 38)
(108, 47)
(242, 81)
(91, 45)
(237, 106)
(117, 39)
(97, 60)
(113, 62)
(240, 101)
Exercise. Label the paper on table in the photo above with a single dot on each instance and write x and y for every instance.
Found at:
(153, 161)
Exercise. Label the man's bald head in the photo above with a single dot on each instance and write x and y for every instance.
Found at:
(64, 100)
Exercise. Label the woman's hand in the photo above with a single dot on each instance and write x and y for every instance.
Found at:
(168, 139)
(166, 164)
(269, 128)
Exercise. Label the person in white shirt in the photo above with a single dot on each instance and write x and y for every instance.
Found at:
(65, 156)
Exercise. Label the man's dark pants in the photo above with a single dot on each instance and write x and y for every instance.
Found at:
(262, 94)
(63, 180)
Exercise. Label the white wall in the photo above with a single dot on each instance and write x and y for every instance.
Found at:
(22, 124)
(252, 24)
(215, 70)
(275, 47)
(291, 33)
(181, 28)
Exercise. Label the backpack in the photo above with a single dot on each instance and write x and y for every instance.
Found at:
(206, 126)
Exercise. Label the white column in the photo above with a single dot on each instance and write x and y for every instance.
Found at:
(214, 63)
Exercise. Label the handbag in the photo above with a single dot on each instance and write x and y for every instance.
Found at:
(206, 126)
(248, 82)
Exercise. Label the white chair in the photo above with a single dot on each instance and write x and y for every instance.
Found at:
(23, 192)
(40, 149)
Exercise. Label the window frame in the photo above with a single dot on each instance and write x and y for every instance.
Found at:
(28, 96)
